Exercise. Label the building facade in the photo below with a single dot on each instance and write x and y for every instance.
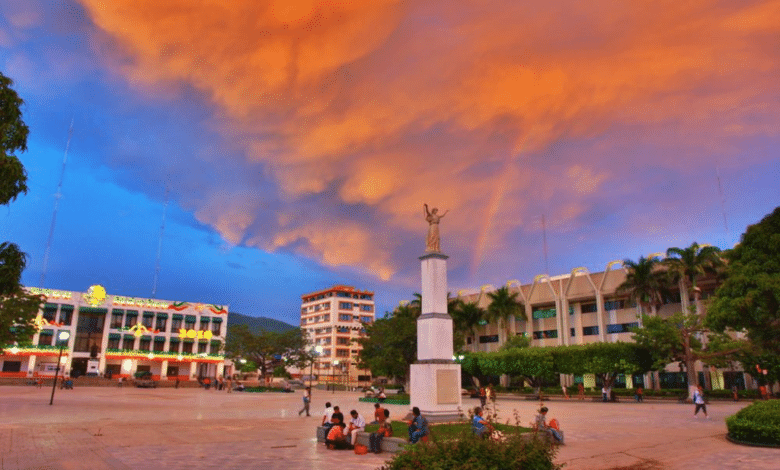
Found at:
(117, 336)
(333, 319)
(582, 307)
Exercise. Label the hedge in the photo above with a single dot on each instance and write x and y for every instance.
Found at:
(758, 423)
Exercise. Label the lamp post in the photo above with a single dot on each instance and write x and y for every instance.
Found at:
(62, 337)
(333, 377)
(316, 351)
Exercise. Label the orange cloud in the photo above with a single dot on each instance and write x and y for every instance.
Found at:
(375, 107)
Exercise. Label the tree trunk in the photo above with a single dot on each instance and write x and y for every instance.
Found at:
(690, 367)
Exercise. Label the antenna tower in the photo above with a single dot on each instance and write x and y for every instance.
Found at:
(57, 197)
(159, 243)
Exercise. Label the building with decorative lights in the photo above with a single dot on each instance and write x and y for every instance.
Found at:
(334, 318)
(582, 307)
(117, 336)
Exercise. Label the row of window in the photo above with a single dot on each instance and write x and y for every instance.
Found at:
(338, 294)
(350, 306)
(120, 319)
(66, 313)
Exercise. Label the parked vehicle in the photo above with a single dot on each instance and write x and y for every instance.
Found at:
(144, 379)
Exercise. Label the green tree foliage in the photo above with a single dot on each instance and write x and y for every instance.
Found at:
(645, 283)
(534, 365)
(516, 342)
(17, 308)
(678, 339)
(13, 138)
(390, 344)
(749, 299)
(686, 265)
(263, 347)
(605, 360)
(466, 317)
(503, 306)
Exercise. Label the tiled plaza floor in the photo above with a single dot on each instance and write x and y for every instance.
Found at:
(112, 428)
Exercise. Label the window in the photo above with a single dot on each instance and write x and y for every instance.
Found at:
(113, 342)
(366, 319)
(146, 344)
(66, 314)
(345, 317)
(621, 327)
(488, 339)
(342, 340)
(204, 324)
(326, 318)
(342, 353)
(326, 352)
(173, 346)
(189, 322)
(589, 308)
(590, 330)
(619, 304)
(573, 331)
(326, 306)
(176, 323)
(186, 347)
(162, 323)
(148, 320)
(159, 345)
(45, 337)
(345, 305)
(50, 312)
(202, 348)
(128, 343)
(367, 308)
(546, 334)
(12, 366)
(547, 311)
(216, 328)
(131, 318)
(116, 318)
(342, 329)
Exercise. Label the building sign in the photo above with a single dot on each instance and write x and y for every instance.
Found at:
(50, 293)
(195, 334)
(141, 303)
(95, 295)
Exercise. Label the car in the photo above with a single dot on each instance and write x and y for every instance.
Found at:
(144, 379)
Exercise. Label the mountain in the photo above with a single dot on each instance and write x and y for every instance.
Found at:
(256, 324)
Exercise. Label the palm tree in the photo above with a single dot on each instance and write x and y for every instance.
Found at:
(504, 305)
(686, 265)
(466, 317)
(645, 283)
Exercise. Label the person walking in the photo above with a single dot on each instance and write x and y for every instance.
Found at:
(306, 401)
(581, 391)
(639, 395)
(698, 400)
(482, 397)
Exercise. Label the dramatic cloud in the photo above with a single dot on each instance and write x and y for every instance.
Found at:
(350, 114)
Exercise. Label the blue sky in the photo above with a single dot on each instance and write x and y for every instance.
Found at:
(299, 147)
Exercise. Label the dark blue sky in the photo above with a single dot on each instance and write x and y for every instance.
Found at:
(298, 141)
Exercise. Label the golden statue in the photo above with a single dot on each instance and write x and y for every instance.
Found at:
(433, 242)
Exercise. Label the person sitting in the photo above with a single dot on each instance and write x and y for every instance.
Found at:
(336, 438)
(552, 429)
(418, 426)
(385, 430)
(356, 425)
(379, 414)
(479, 426)
(326, 416)
(381, 397)
(240, 387)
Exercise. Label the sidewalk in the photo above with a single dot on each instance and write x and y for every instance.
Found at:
(128, 428)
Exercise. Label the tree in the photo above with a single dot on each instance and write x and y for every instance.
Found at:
(466, 317)
(687, 265)
(749, 299)
(677, 339)
(516, 342)
(605, 360)
(645, 283)
(503, 306)
(17, 308)
(265, 347)
(390, 344)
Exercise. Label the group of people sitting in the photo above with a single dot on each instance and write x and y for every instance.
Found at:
(340, 435)
(482, 428)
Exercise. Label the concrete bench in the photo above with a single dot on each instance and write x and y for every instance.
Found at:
(389, 444)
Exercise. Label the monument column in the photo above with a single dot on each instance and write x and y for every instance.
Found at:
(435, 377)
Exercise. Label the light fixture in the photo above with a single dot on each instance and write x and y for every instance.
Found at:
(14, 350)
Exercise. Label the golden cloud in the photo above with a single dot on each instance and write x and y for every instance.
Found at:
(386, 104)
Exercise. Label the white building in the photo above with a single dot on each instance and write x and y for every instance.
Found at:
(333, 319)
(119, 336)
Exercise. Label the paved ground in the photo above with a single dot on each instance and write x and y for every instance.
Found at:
(111, 428)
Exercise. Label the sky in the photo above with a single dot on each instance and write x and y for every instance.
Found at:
(297, 140)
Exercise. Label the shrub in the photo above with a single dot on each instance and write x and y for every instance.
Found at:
(758, 423)
(471, 453)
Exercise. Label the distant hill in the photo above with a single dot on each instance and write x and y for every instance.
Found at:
(256, 324)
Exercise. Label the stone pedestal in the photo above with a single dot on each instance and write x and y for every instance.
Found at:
(435, 378)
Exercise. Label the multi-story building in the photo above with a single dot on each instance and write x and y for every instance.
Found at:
(334, 318)
(581, 308)
(117, 336)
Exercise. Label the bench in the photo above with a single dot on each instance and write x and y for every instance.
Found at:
(389, 444)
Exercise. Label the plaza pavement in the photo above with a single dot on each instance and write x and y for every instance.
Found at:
(128, 428)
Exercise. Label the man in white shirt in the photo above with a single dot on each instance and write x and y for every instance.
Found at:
(327, 415)
(356, 424)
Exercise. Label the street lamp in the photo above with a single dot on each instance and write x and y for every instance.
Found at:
(333, 378)
(316, 351)
(62, 337)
